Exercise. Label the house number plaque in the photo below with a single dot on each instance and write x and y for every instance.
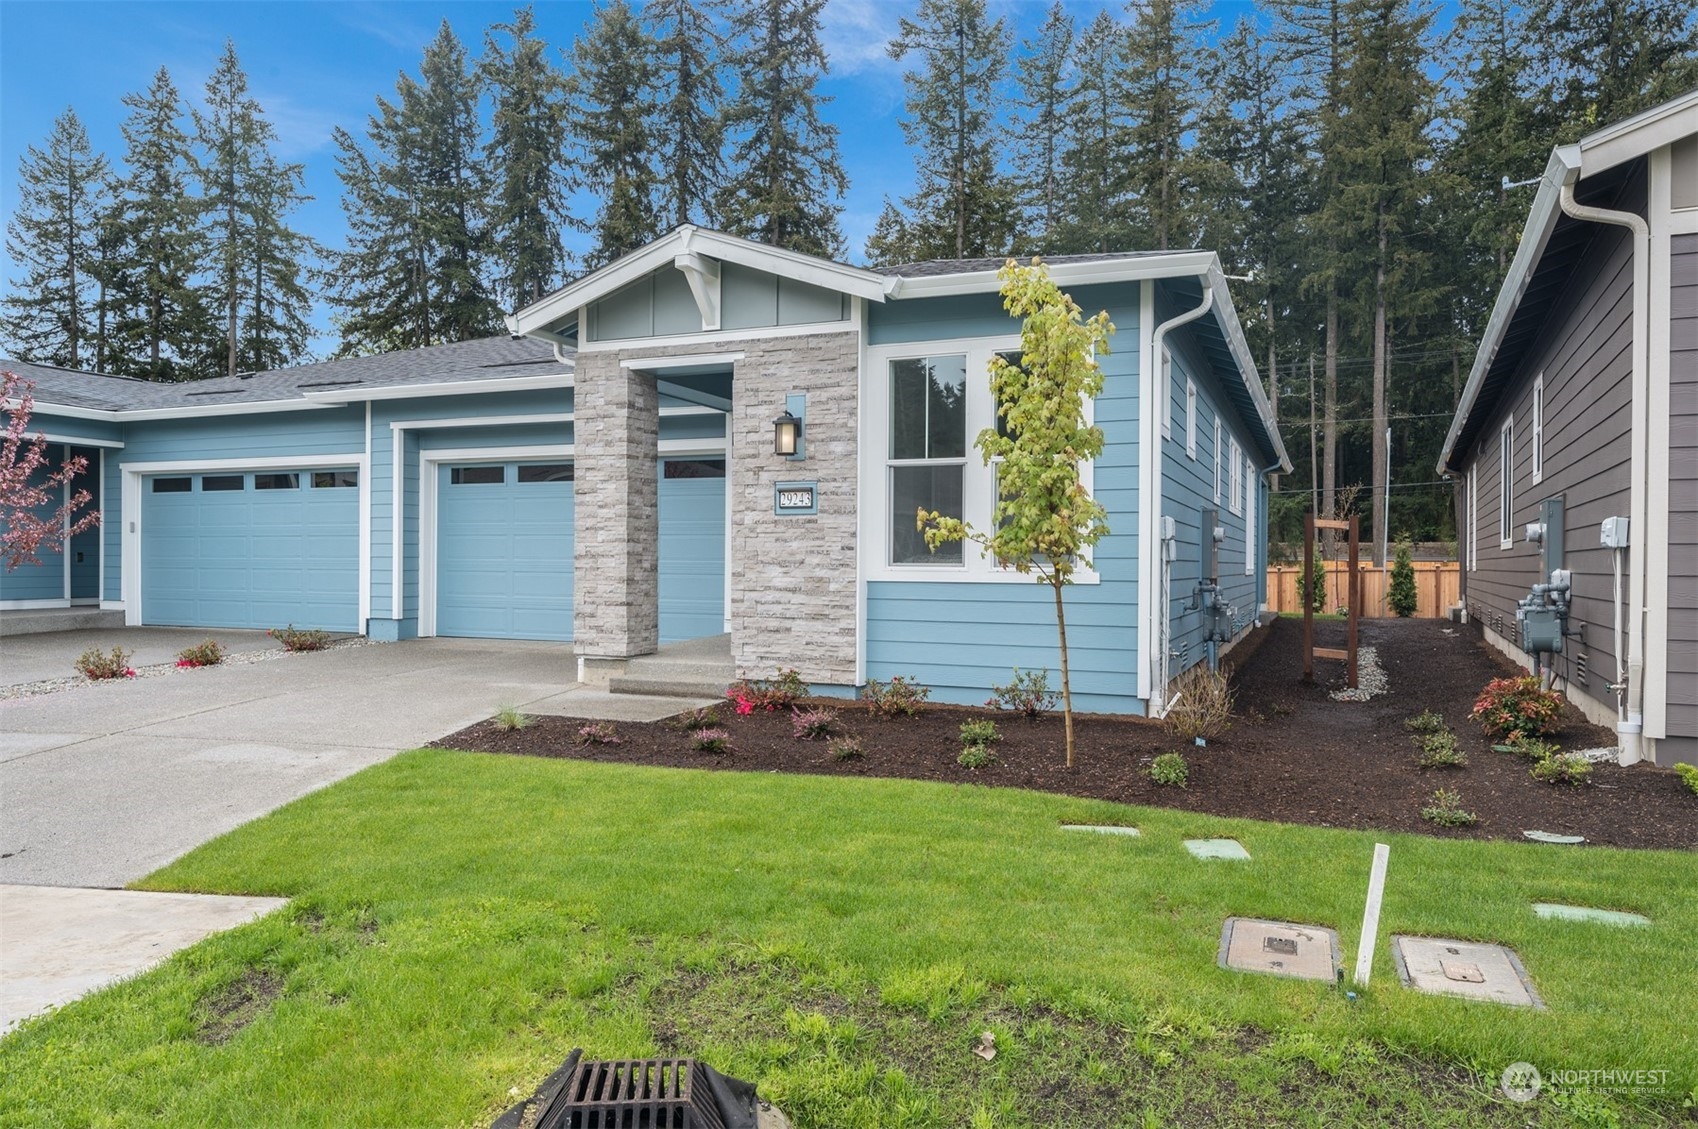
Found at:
(797, 498)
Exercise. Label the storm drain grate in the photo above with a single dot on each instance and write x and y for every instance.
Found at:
(652, 1093)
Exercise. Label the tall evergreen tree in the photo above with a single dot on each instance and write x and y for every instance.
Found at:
(162, 327)
(412, 273)
(962, 207)
(786, 177)
(1157, 91)
(256, 258)
(612, 116)
(49, 317)
(1097, 214)
(1040, 129)
(690, 126)
(526, 159)
(1609, 59)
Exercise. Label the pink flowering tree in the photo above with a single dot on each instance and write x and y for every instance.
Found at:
(26, 491)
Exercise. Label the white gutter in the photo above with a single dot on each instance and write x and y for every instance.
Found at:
(1631, 732)
(355, 393)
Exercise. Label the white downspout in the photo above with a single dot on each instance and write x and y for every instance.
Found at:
(1630, 731)
(1158, 408)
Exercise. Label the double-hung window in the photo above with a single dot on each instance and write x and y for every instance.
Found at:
(1249, 518)
(1473, 548)
(1237, 462)
(1217, 460)
(1506, 484)
(1190, 418)
(1167, 394)
(1539, 428)
(928, 452)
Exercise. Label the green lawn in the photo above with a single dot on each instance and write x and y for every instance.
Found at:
(461, 921)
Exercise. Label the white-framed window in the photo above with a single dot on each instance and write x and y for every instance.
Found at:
(1167, 393)
(1217, 460)
(924, 405)
(1538, 428)
(1190, 417)
(1473, 548)
(1506, 484)
(1250, 518)
(927, 452)
(1237, 461)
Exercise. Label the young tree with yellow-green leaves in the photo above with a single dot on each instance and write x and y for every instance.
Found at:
(1045, 522)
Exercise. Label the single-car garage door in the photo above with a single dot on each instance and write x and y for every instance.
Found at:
(255, 549)
(692, 548)
(504, 550)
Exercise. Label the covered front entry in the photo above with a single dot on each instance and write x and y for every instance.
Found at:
(253, 549)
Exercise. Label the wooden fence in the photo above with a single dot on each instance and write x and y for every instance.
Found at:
(1438, 585)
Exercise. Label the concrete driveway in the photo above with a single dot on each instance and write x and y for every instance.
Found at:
(103, 783)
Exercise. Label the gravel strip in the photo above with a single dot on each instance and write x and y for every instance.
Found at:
(1371, 680)
(159, 670)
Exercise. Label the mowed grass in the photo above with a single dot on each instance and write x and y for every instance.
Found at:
(461, 921)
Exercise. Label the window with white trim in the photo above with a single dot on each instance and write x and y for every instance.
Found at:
(1473, 549)
(1237, 478)
(1190, 417)
(1250, 519)
(1538, 428)
(1217, 460)
(1506, 484)
(927, 453)
(1167, 393)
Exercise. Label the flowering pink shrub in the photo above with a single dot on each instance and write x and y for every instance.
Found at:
(812, 725)
(1514, 708)
(751, 694)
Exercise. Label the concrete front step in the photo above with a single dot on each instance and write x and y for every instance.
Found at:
(659, 685)
(39, 621)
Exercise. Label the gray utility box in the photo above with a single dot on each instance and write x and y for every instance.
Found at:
(1541, 630)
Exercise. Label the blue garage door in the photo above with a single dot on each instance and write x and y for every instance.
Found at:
(253, 550)
(692, 548)
(504, 550)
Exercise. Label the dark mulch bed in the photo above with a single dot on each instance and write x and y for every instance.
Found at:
(1293, 754)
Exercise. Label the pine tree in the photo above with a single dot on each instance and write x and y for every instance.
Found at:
(786, 177)
(414, 196)
(689, 127)
(612, 116)
(527, 162)
(1612, 58)
(49, 317)
(1040, 130)
(1155, 89)
(256, 258)
(961, 207)
(1402, 595)
(1096, 212)
(162, 327)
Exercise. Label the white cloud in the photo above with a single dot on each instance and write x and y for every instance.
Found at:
(856, 32)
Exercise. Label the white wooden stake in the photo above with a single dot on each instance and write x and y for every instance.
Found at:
(1371, 915)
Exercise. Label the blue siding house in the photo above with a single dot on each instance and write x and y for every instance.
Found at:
(608, 475)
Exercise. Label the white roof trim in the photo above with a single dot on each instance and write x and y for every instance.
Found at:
(678, 361)
(1635, 136)
(1233, 331)
(1065, 274)
(687, 241)
(353, 394)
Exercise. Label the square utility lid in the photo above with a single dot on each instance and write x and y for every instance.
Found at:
(1281, 948)
(1475, 970)
(1217, 849)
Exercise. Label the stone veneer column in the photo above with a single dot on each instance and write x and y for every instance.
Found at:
(793, 579)
(616, 586)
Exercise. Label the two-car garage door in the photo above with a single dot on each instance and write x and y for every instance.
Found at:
(252, 549)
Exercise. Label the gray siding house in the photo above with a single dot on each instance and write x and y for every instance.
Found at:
(1575, 445)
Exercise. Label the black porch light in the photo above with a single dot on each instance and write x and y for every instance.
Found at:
(786, 433)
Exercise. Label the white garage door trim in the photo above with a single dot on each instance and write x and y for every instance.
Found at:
(131, 559)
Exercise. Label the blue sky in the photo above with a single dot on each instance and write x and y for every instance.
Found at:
(314, 66)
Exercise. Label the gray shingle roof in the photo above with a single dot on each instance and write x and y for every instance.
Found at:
(488, 358)
(932, 268)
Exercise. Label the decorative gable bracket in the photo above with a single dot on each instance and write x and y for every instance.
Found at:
(702, 273)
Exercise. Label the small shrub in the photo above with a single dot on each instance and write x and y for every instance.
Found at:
(702, 717)
(98, 665)
(976, 756)
(896, 698)
(311, 639)
(1445, 809)
(780, 693)
(1027, 693)
(209, 653)
(508, 719)
(1517, 707)
(1425, 722)
(1402, 596)
(1689, 776)
(1202, 705)
(599, 733)
(1533, 748)
(1169, 770)
(846, 748)
(1564, 768)
(979, 732)
(1439, 750)
(711, 741)
(812, 725)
